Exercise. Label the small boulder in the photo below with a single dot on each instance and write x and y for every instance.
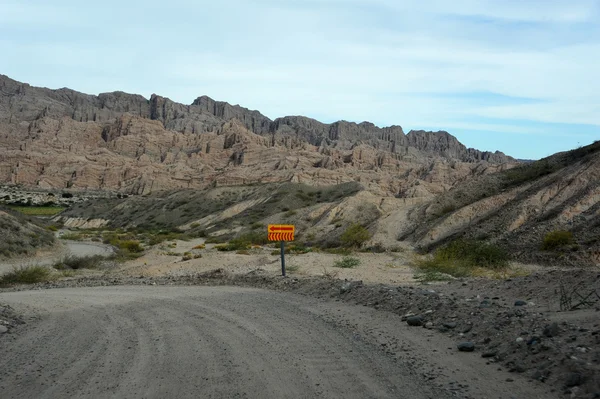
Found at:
(3, 329)
(346, 287)
(414, 321)
(552, 330)
(520, 303)
(486, 303)
(466, 347)
(574, 379)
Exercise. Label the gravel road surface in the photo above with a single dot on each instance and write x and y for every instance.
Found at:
(223, 342)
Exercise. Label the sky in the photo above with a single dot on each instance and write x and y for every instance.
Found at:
(518, 76)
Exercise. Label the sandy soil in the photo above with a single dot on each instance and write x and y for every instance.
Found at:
(392, 268)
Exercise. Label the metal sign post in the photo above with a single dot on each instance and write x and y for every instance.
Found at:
(283, 258)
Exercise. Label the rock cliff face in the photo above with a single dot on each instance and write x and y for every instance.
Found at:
(444, 144)
(124, 142)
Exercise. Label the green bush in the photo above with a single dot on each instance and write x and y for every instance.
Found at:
(132, 246)
(460, 258)
(557, 239)
(347, 262)
(73, 236)
(245, 241)
(474, 253)
(26, 275)
(76, 262)
(355, 236)
(214, 240)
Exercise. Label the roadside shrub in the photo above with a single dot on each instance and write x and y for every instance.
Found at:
(26, 275)
(73, 236)
(214, 240)
(557, 239)
(474, 253)
(79, 262)
(298, 249)
(355, 236)
(347, 262)
(461, 258)
(132, 246)
(244, 242)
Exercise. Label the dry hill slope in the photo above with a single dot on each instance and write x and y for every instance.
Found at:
(517, 208)
(20, 236)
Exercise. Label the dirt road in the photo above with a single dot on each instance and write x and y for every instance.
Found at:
(226, 342)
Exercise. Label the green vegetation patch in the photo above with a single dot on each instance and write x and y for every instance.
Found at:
(557, 239)
(80, 262)
(26, 275)
(462, 258)
(355, 236)
(244, 241)
(38, 210)
(347, 262)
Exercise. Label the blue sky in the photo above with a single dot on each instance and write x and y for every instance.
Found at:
(519, 76)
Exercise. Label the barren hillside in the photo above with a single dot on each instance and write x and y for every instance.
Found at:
(517, 208)
(20, 236)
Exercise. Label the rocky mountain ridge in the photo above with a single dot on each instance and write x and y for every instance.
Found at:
(23, 102)
(118, 141)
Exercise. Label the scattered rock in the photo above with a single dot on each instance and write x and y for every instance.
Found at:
(467, 328)
(552, 330)
(450, 325)
(466, 347)
(414, 321)
(3, 329)
(346, 287)
(486, 303)
(520, 303)
(574, 379)
(489, 353)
